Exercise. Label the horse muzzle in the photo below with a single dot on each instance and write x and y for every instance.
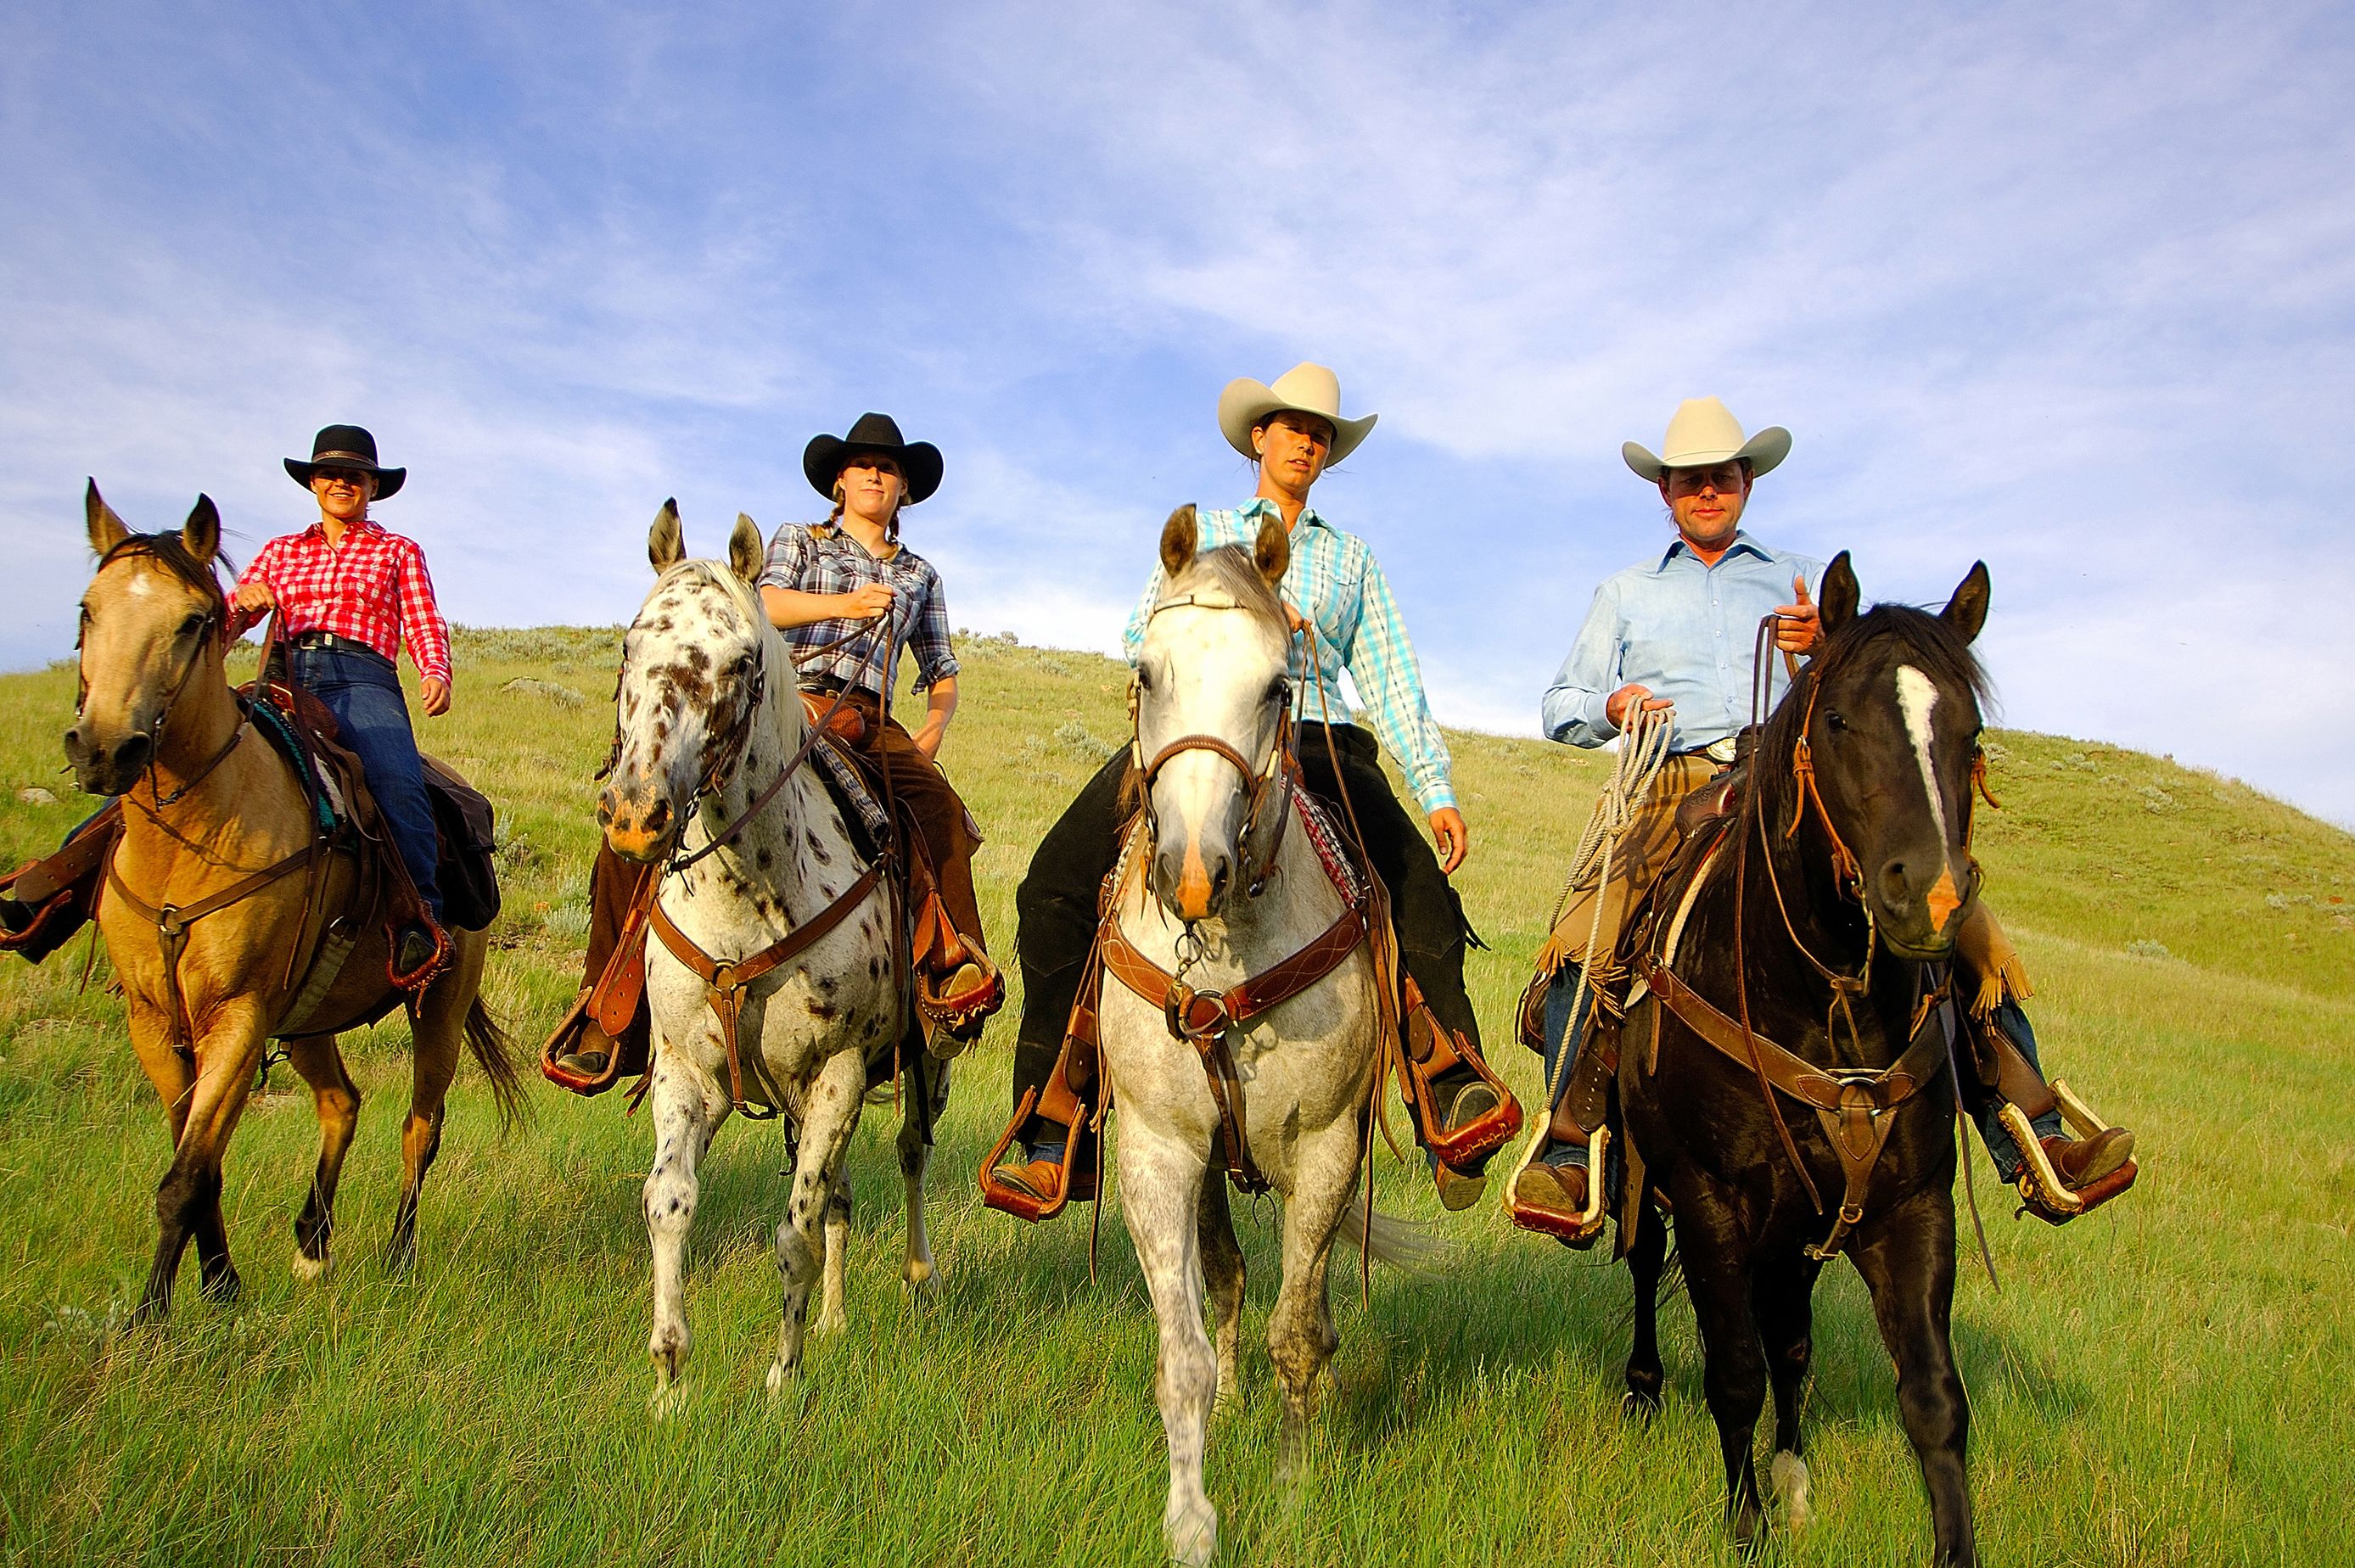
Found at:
(101, 768)
(1192, 884)
(1919, 903)
(638, 826)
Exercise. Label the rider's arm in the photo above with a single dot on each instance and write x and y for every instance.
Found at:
(1131, 636)
(422, 628)
(939, 707)
(244, 616)
(1574, 708)
(1381, 663)
(936, 663)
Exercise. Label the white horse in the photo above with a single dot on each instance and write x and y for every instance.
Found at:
(1217, 894)
(708, 715)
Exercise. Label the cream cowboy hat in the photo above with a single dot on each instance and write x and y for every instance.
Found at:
(1703, 433)
(1305, 389)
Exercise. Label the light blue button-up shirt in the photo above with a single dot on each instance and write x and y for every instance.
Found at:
(1336, 585)
(1688, 631)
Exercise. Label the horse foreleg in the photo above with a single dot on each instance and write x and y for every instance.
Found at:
(835, 1278)
(1222, 1271)
(1909, 1266)
(920, 1273)
(1645, 1258)
(1781, 1299)
(1733, 1377)
(1300, 1334)
(188, 1201)
(437, 1039)
(687, 1110)
(337, 1100)
(828, 1120)
(1160, 1183)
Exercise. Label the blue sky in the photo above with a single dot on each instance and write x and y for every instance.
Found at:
(2068, 289)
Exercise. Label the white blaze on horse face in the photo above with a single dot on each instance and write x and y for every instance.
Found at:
(1917, 698)
(691, 630)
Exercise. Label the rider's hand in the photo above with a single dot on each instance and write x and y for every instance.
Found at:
(1298, 622)
(436, 694)
(1620, 704)
(255, 595)
(1455, 838)
(866, 601)
(1800, 626)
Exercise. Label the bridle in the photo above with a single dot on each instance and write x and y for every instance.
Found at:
(1273, 780)
(210, 628)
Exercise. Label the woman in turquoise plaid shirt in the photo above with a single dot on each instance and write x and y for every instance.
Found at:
(1293, 431)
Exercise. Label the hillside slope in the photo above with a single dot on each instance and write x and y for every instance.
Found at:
(2166, 1381)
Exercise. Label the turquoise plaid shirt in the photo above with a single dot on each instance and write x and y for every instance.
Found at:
(1335, 582)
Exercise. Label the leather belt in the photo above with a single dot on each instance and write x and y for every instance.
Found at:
(328, 642)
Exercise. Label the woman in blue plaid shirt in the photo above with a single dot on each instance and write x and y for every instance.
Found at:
(1292, 429)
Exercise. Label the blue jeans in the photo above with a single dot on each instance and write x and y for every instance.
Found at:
(364, 694)
(1564, 1033)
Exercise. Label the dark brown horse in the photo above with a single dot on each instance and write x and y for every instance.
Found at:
(1794, 1006)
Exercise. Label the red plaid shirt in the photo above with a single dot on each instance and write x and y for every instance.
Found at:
(372, 589)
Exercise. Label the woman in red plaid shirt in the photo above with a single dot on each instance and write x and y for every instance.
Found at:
(348, 594)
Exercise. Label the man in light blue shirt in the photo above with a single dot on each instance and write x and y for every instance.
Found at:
(1677, 634)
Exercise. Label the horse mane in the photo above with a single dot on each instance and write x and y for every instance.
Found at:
(1228, 567)
(172, 553)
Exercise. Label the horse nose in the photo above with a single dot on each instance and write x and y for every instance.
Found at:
(1191, 884)
(130, 756)
(635, 833)
(1927, 879)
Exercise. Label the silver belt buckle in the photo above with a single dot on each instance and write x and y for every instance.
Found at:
(1719, 751)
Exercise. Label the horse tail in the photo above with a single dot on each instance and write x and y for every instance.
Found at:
(495, 1051)
(1406, 1245)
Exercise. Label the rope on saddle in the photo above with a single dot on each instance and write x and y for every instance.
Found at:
(1643, 752)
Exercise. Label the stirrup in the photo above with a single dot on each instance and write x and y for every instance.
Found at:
(2042, 1190)
(1577, 1231)
(426, 972)
(1071, 1182)
(957, 1019)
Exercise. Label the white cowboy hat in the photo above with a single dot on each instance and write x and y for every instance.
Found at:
(1305, 389)
(1703, 433)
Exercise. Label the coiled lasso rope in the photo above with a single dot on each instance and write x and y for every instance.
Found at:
(1643, 752)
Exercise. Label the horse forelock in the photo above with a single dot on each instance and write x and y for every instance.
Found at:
(1230, 567)
(167, 550)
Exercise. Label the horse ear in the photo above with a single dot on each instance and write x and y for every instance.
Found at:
(1839, 595)
(1967, 611)
(667, 541)
(201, 532)
(746, 554)
(106, 529)
(1177, 538)
(1273, 550)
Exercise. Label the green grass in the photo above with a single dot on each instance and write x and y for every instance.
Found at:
(2166, 1381)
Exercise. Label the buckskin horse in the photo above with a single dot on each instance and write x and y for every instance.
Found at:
(1246, 1035)
(229, 916)
(776, 985)
(1786, 1070)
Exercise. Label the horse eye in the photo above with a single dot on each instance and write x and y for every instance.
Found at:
(1144, 678)
(1837, 720)
(188, 627)
(1278, 689)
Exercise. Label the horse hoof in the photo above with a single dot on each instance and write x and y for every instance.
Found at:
(1638, 1407)
(1789, 1475)
(310, 1270)
(664, 1401)
(782, 1378)
(224, 1289)
(1193, 1537)
(830, 1321)
(400, 1261)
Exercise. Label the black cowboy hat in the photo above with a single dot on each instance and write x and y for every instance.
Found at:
(347, 446)
(920, 460)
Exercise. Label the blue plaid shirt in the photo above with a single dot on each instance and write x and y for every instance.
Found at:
(820, 558)
(1335, 582)
(1684, 630)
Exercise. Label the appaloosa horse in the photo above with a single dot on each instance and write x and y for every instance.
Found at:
(1809, 953)
(227, 914)
(1242, 1018)
(776, 985)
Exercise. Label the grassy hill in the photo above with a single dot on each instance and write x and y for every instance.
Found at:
(2168, 1381)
